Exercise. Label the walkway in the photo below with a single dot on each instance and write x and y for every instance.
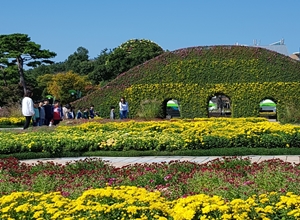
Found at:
(123, 161)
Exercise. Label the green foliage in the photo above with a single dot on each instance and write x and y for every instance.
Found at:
(59, 85)
(20, 50)
(247, 75)
(150, 109)
(100, 72)
(78, 62)
(8, 75)
(130, 54)
(10, 94)
(108, 65)
(291, 113)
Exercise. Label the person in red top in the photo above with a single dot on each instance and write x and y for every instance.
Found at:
(57, 113)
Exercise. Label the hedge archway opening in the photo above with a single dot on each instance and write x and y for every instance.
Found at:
(268, 108)
(219, 106)
(171, 108)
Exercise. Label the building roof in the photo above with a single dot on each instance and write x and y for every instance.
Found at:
(282, 49)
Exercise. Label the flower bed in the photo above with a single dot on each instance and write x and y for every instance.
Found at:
(137, 203)
(16, 121)
(228, 188)
(154, 135)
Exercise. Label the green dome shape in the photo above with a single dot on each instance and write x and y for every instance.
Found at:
(247, 75)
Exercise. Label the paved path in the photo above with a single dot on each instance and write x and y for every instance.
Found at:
(123, 161)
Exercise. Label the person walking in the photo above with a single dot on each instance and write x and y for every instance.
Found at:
(220, 104)
(27, 108)
(123, 105)
(57, 113)
(48, 112)
(36, 116)
(42, 113)
(112, 113)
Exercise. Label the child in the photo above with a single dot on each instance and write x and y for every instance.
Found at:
(92, 111)
(42, 113)
(57, 113)
(112, 113)
(86, 114)
(48, 112)
(36, 116)
(79, 114)
(65, 110)
(71, 113)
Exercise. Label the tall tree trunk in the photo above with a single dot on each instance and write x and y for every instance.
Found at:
(21, 72)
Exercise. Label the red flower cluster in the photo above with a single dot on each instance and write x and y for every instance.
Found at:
(228, 177)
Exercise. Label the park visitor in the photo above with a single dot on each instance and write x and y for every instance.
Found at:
(27, 108)
(112, 113)
(92, 111)
(48, 112)
(85, 114)
(36, 116)
(79, 114)
(57, 113)
(42, 113)
(123, 105)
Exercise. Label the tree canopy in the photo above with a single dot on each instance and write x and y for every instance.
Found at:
(130, 54)
(17, 50)
(59, 85)
(20, 50)
(109, 63)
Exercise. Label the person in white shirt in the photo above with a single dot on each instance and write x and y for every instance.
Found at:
(27, 108)
(123, 105)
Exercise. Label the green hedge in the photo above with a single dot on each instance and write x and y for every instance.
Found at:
(245, 97)
(247, 75)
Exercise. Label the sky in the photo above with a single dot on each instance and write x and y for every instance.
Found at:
(62, 26)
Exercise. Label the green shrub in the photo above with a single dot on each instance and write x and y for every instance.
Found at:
(291, 113)
(150, 109)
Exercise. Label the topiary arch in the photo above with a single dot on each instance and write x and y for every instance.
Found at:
(245, 74)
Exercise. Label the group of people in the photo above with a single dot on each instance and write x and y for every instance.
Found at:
(43, 113)
(86, 113)
(40, 112)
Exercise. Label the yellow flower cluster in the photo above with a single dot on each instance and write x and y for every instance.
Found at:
(12, 120)
(130, 202)
(155, 135)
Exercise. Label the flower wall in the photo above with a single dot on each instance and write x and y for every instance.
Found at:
(247, 75)
(193, 98)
